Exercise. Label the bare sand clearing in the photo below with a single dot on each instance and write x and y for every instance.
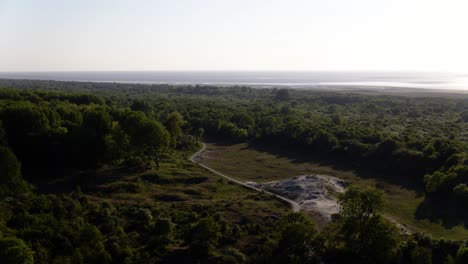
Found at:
(314, 193)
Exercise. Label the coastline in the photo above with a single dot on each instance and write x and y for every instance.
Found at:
(365, 88)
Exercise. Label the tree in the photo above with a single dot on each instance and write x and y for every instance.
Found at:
(161, 235)
(11, 181)
(148, 138)
(87, 144)
(439, 182)
(140, 105)
(243, 120)
(154, 140)
(97, 120)
(282, 95)
(232, 132)
(361, 233)
(3, 139)
(204, 237)
(117, 143)
(174, 124)
(462, 255)
(24, 118)
(421, 255)
(296, 241)
(360, 204)
(200, 133)
(15, 251)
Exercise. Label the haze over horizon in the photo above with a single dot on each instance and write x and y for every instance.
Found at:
(260, 35)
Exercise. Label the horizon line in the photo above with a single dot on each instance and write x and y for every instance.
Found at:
(208, 70)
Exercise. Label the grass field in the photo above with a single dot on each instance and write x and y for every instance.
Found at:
(180, 184)
(249, 164)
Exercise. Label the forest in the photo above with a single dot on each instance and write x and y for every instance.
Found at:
(78, 133)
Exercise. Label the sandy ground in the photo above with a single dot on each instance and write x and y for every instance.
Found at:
(314, 193)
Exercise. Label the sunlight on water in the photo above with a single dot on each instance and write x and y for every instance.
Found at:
(462, 82)
(450, 81)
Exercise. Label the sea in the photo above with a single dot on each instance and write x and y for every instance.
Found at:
(293, 79)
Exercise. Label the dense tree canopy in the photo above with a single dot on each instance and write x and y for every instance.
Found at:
(69, 131)
(15, 251)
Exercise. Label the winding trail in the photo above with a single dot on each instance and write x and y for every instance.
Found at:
(294, 205)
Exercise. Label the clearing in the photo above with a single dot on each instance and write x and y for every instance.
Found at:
(280, 173)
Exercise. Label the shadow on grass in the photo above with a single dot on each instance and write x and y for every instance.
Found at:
(87, 180)
(444, 211)
(118, 179)
(441, 210)
(298, 156)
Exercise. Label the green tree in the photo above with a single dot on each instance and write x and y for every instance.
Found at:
(11, 181)
(161, 235)
(200, 133)
(296, 241)
(3, 139)
(117, 143)
(24, 118)
(141, 105)
(148, 138)
(421, 255)
(174, 124)
(282, 95)
(204, 237)
(157, 140)
(462, 255)
(15, 251)
(97, 119)
(361, 232)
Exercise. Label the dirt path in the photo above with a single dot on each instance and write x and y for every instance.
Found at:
(314, 193)
(294, 205)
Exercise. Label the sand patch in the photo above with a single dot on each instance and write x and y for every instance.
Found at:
(314, 193)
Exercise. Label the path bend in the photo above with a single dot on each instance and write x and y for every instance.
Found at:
(294, 205)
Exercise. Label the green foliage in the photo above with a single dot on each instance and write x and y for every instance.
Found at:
(23, 118)
(141, 105)
(282, 95)
(421, 255)
(361, 233)
(146, 137)
(54, 136)
(233, 256)
(61, 133)
(296, 240)
(3, 139)
(439, 182)
(15, 251)
(203, 237)
(11, 182)
(462, 255)
(231, 131)
(174, 124)
(360, 205)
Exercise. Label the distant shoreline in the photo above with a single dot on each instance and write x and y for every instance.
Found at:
(347, 87)
(303, 80)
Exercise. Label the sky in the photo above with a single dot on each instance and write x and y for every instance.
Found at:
(292, 35)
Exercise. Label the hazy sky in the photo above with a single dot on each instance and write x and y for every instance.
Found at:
(419, 35)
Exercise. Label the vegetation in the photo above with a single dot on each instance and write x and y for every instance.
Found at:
(103, 178)
(261, 163)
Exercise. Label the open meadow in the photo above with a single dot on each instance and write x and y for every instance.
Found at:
(247, 163)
